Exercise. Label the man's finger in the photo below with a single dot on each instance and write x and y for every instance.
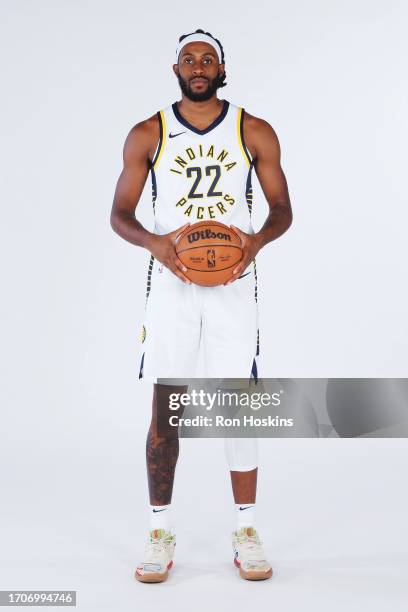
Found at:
(179, 231)
(182, 277)
(240, 233)
(231, 280)
(178, 272)
(240, 267)
(243, 264)
(180, 264)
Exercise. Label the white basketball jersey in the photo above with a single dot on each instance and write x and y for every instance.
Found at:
(200, 175)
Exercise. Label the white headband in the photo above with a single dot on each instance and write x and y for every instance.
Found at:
(199, 38)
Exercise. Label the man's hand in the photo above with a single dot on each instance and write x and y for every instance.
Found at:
(251, 244)
(163, 249)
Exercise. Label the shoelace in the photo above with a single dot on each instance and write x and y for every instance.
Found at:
(251, 546)
(156, 548)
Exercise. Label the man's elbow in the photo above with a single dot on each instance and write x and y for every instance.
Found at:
(115, 221)
(289, 218)
(286, 216)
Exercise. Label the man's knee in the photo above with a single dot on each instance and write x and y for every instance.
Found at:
(162, 425)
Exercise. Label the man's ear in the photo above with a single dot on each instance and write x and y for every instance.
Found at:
(176, 69)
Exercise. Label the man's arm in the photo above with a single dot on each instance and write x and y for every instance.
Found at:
(263, 145)
(136, 156)
(138, 152)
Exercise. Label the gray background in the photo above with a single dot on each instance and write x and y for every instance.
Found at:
(75, 77)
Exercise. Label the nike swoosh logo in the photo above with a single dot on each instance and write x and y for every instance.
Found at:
(243, 275)
(174, 135)
(159, 510)
(245, 508)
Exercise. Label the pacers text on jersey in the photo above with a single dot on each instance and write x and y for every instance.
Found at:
(210, 174)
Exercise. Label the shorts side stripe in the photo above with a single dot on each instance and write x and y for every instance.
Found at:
(149, 277)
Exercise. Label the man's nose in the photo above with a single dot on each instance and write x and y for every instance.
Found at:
(198, 70)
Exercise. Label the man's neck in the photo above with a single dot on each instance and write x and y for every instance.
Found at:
(202, 109)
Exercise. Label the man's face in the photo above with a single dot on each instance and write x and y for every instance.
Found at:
(198, 71)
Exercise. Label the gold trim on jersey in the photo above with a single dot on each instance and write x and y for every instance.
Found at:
(241, 142)
(162, 140)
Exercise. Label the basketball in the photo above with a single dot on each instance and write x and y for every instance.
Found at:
(210, 251)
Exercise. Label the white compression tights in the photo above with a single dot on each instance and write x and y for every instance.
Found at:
(241, 453)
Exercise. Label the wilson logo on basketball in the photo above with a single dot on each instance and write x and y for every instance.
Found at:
(205, 234)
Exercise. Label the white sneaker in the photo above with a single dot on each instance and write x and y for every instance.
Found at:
(249, 556)
(158, 557)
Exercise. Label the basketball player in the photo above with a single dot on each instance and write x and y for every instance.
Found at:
(200, 153)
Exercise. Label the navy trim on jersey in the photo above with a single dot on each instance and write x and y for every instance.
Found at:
(241, 131)
(160, 139)
(248, 188)
(149, 277)
(256, 281)
(141, 367)
(254, 371)
(188, 125)
(154, 188)
(244, 275)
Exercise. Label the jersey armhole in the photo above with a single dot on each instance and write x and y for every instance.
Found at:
(241, 138)
(162, 140)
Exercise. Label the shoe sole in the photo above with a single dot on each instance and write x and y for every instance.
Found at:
(253, 575)
(154, 576)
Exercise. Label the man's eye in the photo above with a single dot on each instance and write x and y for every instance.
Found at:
(208, 59)
(188, 59)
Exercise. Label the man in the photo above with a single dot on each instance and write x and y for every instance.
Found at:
(200, 153)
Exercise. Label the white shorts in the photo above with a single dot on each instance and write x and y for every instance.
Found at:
(183, 322)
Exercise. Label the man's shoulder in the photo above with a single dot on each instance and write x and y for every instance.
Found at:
(256, 123)
(256, 127)
(146, 131)
(259, 132)
(146, 126)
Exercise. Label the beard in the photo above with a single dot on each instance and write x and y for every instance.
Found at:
(200, 96)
